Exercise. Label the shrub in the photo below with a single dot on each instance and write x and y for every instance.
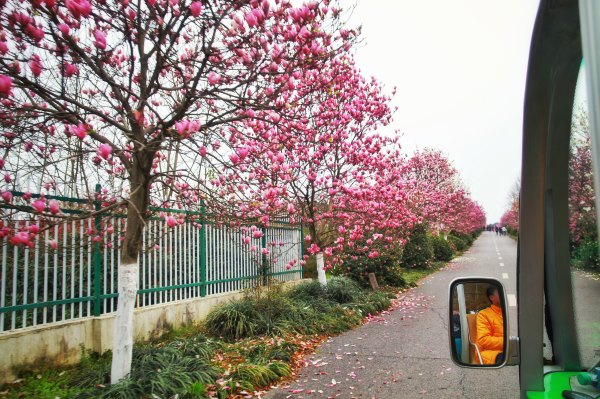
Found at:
(307, 291)
(418, 251)
(342, 290)
(357, 265)
(159, 372)
(442, 250)
(234, 320)
(394, 277)
(372, 302)
(467, 238)
(249, 376)
(586, 254)
(458, 243)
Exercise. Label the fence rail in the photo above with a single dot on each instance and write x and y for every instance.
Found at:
(70, 273)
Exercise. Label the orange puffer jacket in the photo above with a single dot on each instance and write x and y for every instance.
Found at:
(490, 333)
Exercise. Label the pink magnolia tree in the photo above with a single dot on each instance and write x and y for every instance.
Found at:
(318, 153)
(510, 218)
(436, 195)
(146, 98)
(582, 208)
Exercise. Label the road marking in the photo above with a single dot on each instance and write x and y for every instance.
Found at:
(512, 300)
(501, 264)
(505, 276)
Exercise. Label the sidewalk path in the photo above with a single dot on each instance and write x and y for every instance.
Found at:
(404, 353)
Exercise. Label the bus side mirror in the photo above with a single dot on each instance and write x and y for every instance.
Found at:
(478, 326)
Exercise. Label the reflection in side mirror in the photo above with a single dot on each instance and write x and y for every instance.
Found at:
(478, 331)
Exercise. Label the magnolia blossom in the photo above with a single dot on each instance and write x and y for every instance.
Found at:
(35, 65)
(39, 205)
(5, 86)
(196, 8)
(100, 39)
(104, 150)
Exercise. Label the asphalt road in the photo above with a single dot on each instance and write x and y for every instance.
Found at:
(405, 354)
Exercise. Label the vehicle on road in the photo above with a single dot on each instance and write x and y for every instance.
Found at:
(565, 37)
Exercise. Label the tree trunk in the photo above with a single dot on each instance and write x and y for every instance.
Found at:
(123, 329)
(129, 268)
(321, 269)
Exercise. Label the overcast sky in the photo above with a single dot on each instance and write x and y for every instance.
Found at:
(460, 69)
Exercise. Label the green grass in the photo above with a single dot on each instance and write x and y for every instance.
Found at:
(412, 276)
(243, 345)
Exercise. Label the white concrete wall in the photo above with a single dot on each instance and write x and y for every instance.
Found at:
(60, 343)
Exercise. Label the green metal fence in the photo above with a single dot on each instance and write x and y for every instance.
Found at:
(71, 271)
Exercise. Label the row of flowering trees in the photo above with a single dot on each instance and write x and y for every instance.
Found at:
(252, 109)
(582, 211)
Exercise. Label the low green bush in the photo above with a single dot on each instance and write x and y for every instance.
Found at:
(249, 376)
(442, 249)
(234, 320)
(159, 372)
(307, 291)
(586, 255)
(386, 266)
(458, 243)
(341, 290)
(418, 251)
(467, 238)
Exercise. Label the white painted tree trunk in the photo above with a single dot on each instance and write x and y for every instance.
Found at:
(321, 269)
(123, 331)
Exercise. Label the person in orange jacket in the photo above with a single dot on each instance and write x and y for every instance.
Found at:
(490, 329)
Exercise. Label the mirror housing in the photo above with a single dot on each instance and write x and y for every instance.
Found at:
(478, 324)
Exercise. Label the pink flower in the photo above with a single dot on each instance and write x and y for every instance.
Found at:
(5, 86)
(213, 78)
(246, 240)
(39, 205)
(234, 158)
(70, 70)
(53, 207)
(53, 244)
(182, 127)
(257, 234)
(304, 33)
(264, 251)
(7, 196)
(202, 151)
(64, 28)
(243, 152)
(196, 8)
(104, 150)
(251, 19)
(20, 238)
(79, 8)
(171, 221)
(80, 131)
(100, 39)
(3, 48)
(34, 229)
(36, 65)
